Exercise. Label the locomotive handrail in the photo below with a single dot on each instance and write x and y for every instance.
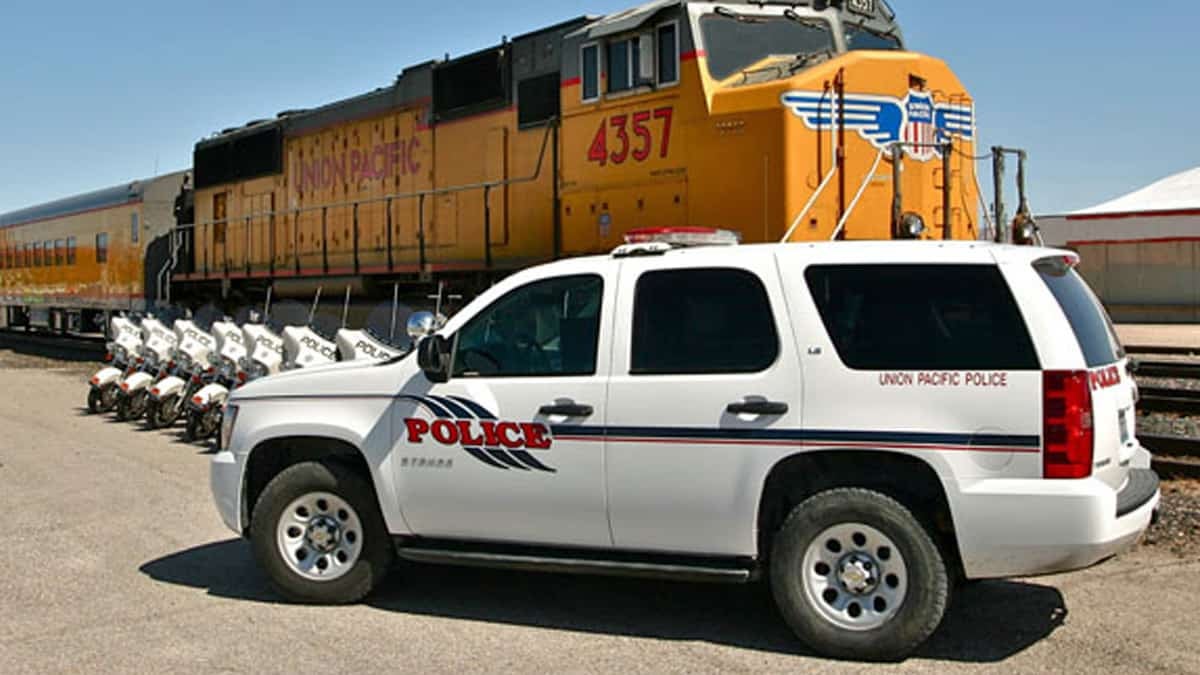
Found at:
(420, 195)
(397, 195)
(858, 195)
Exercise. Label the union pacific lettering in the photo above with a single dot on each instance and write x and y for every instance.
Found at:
(381, 161)
(480, 433)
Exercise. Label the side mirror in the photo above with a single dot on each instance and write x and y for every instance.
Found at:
(433, 356)
(421, 324)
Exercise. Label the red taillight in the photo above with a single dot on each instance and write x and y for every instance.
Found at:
(198, 400)
(241, 376)
(154, 391)
(95, 380)
(195, 379)
(124, 386)
(1067, 433)
(107, 357)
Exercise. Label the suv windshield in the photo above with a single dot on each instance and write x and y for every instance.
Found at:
(734, 43)
(1087, 317)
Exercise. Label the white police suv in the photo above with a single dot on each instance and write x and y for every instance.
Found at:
(862, 424)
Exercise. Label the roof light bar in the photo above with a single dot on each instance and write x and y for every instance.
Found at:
(684, 236)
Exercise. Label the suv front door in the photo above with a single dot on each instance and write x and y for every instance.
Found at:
(477, 457)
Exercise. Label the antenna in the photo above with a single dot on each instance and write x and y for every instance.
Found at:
(312, 313)
(395, 304)
(346, 306)
(267, 305)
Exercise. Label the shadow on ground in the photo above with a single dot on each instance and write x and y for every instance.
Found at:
(50, 346)
(988, 621)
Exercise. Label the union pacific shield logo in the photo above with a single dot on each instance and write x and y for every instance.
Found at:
(458, 421)
(916, 120)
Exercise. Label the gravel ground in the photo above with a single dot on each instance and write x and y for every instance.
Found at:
(1178, 526)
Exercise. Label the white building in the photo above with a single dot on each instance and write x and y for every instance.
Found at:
(1141, 252)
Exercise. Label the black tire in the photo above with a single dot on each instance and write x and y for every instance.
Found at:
(108, 398)
(191, 434)
(295, 481)
(168, 411)
(122, 408)
(137, 405)
(95, 401)
(152, 413)
(928, 583)
(160, 413)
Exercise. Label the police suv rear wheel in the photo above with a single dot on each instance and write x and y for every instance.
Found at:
(318, 533)
(857, 576)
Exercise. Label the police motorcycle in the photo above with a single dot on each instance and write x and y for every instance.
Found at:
(205, 405)
(368, 343)
(309, 345)
(169, 397)
(264, 345)
(134, 393)
(123, 350)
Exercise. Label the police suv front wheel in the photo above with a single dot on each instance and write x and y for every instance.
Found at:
(857, 576)
(318, 533)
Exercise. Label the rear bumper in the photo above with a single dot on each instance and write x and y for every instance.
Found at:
(1010, 528)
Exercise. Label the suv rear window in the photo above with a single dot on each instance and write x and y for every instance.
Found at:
(694, 321)
(922, 317)
(1087, 317)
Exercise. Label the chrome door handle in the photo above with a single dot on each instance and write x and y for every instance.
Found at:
(757, 408)
(567, 409)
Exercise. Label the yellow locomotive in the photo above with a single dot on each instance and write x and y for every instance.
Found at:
(771, 119)
(777, 120)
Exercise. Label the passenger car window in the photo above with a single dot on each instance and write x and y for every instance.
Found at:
(547, 328)
(922, 317)
(702, 321)
(1090, 323)
(102, 247)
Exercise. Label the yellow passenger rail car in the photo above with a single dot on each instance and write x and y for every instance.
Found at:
(65, 264)
(772, 119)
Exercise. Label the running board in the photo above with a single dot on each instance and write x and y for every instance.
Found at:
(577, 561)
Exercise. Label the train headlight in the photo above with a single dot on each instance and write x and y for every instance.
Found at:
(912, 226)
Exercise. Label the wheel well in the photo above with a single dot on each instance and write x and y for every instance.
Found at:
(271, 457)
(905, 478)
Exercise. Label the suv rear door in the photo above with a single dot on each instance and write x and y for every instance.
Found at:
(924, 354)
(697, 332)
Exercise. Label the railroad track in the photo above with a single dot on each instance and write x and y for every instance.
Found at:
(53, 346)
(1175, 369)
(1174, 456)
(1159, 350)
(1161, 399)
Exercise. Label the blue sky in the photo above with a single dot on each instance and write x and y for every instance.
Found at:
(1101, 93)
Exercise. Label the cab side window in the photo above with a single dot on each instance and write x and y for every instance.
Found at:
(547, 328)
(702, 321)
(922, 317)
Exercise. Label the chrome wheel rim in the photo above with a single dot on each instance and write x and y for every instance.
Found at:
(319, 536)
(854, 576)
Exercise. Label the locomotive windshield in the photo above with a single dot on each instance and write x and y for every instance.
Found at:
(862, 38)
(735, 42)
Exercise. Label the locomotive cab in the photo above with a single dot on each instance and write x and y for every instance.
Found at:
(771, 119)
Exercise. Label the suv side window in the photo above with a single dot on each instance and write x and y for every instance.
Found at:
(546, 328)
(922, 317)
(702, 321)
